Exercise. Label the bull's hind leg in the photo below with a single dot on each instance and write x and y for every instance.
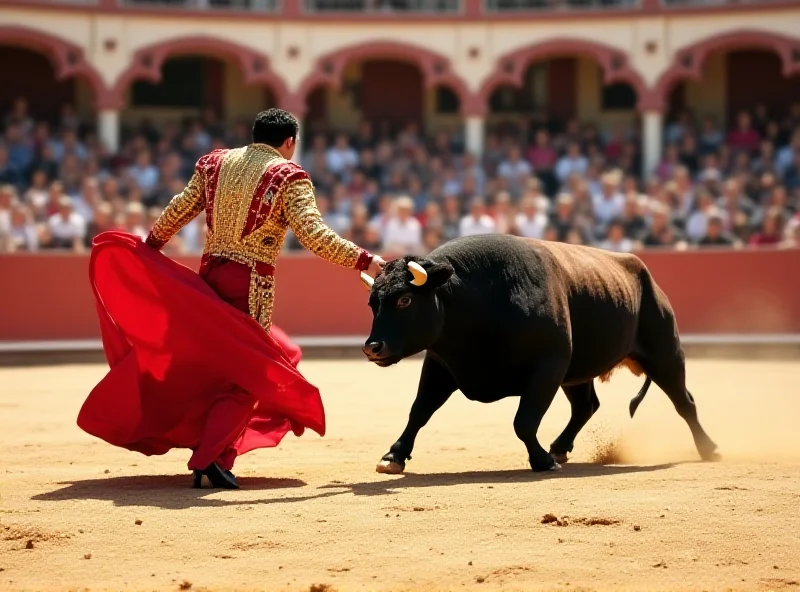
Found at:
(436, 384)
(669, 373)
(584, 402)
(533, 404)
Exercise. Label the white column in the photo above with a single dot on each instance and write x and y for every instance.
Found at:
(473, 134)
(653, 124)
(108, 120)
(298, 149)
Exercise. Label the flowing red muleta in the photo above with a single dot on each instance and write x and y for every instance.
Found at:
(177, 350)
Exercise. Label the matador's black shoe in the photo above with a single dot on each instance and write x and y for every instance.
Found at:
(217, 476)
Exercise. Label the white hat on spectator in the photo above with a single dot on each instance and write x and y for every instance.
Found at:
(404, 203)
(710, 175)
(564, 198)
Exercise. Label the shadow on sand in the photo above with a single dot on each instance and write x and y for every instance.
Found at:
(414, 480)
(172, 492)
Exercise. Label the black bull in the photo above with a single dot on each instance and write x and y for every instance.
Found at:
(502, 316)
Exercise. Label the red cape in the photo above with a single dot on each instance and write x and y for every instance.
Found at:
(173, 345)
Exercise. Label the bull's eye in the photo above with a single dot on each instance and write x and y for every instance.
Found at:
(403, 301)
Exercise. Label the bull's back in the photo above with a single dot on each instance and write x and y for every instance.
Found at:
(605, 292)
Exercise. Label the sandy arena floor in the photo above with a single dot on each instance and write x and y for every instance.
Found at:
(76, 513)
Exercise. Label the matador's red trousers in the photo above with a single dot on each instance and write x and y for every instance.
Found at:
(231, 410)
(189, 367)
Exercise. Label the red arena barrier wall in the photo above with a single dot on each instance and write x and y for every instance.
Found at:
(47, 296)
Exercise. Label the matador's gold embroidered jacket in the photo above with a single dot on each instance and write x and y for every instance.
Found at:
(251, 196)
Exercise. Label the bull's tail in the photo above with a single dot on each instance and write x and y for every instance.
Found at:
(636, 401)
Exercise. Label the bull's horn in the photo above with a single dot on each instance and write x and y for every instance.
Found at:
(419, 273)
(367, 281)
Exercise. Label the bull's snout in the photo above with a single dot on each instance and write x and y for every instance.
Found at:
(375, 350)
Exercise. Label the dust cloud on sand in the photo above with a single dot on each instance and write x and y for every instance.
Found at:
(632, 509)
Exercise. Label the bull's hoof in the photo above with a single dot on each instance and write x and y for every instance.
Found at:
(559, 458)
(543, 469)
(390, 467)
(711, 456)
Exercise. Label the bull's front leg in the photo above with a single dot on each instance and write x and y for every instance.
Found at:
(436, 384)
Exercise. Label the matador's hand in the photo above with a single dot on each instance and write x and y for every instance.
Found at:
(376, 267)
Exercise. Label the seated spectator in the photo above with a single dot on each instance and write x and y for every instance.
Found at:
(531, 222)
(8, 201)
(792, 240)
(66, 228)
(359, 223)
(473, 178)
(88, 199)
(563, 218)
(533, 189)
(502, 213)
(54, 196)
(734, 200)
(36, 194)
(372, 239)
(615, 239)
(744, 137)
(615, 144)
(792, 176)
(609, 202)
(135, 220)
(711, 138)
(20, 148)
(20, 116)
(786, 155)
(661, 233)
(335, 220)
(21, 233)
(477, 221)
(368, 166)
(550, 234)
(515, 170)
(571, 163)
(688, 154)
(765, 163)
(102, 221)
(697, 223)
(341, 156)
(543, 158)
(715, 235)
(9, 173)
(792, 232)
(771, 232)
(575, 237)
(631, 217)
(403, 232)
(451, 214)
(144, 174)
(669, 162)
(192, 236)
(676, 129)
(431, 239)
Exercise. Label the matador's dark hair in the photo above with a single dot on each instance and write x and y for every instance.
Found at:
(273, 126)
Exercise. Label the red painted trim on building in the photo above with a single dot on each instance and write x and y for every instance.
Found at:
(329, 68)
(68, 59)
(147, 62)
(688, 62)
(510, 68)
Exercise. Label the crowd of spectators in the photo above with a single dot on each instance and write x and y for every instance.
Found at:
(401, 192)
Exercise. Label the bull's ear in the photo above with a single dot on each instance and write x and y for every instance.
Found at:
(438, 273)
